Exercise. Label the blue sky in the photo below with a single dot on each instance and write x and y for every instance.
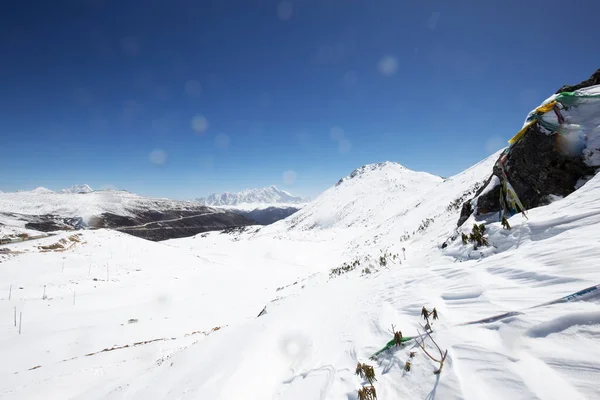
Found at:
(182, 98)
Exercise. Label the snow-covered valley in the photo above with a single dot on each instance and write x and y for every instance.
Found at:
(288, 310)
(198, 298)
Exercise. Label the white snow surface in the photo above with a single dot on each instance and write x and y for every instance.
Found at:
(316, 327)
(255, 198)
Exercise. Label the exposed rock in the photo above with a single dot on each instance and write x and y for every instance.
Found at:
(536, 169)
(268, 215)
(594, 80)
(162, 225)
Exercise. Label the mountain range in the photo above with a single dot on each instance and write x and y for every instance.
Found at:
(297, 309)
(270, 195)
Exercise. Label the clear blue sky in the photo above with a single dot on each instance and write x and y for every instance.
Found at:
(182, 98)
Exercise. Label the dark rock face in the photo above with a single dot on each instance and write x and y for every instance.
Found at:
(170, 224)
(50, 223)
(536, 168)
(148, 224)
(268, 215)
(594, 80)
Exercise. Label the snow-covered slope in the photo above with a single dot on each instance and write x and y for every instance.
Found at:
(315, 327)
(364, 199)
(252, 198)
(150, 218)
(43, 201)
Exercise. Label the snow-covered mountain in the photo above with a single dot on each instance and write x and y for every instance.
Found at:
(39, 190)
(368, 196)
(81, 189)
(271, 195)
(286, 312)
(43, 209)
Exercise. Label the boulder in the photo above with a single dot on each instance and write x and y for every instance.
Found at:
(536, 168)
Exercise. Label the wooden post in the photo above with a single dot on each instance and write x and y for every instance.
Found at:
(20, 321)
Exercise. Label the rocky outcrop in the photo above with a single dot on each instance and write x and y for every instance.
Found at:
(593, 80)
(536, 168)
(148, 224)
(170, 224)
(269, 215)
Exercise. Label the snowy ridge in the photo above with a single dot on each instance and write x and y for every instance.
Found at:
(180, 319)
(251, 198)
(80, 189)
(363, 199)
(43, 201)
(315, 328)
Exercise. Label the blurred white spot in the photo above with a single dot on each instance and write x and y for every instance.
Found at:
(199, 124)
(388, 65)
(158, 157)
(494, 144)
(132, 109)
(82, 96)
(529, 98)
(289, 177)
(336, 133)
(433, 20)
(222, 141)
(571, 139)
(350, 78)
(285, 10)
(130, 46)
(193, 88)
(294, 345)
(344, 146)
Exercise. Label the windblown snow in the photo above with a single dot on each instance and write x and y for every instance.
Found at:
(112, 316)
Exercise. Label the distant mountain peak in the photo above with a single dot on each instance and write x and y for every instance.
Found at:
(79, 189)
(268, 195)
(41, 190)
(373, 167)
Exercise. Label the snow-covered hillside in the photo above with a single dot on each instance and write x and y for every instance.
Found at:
(287, 311)
(42, 201)
(365, 198)
(151, 218)
(252, 198)
(127, 318)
